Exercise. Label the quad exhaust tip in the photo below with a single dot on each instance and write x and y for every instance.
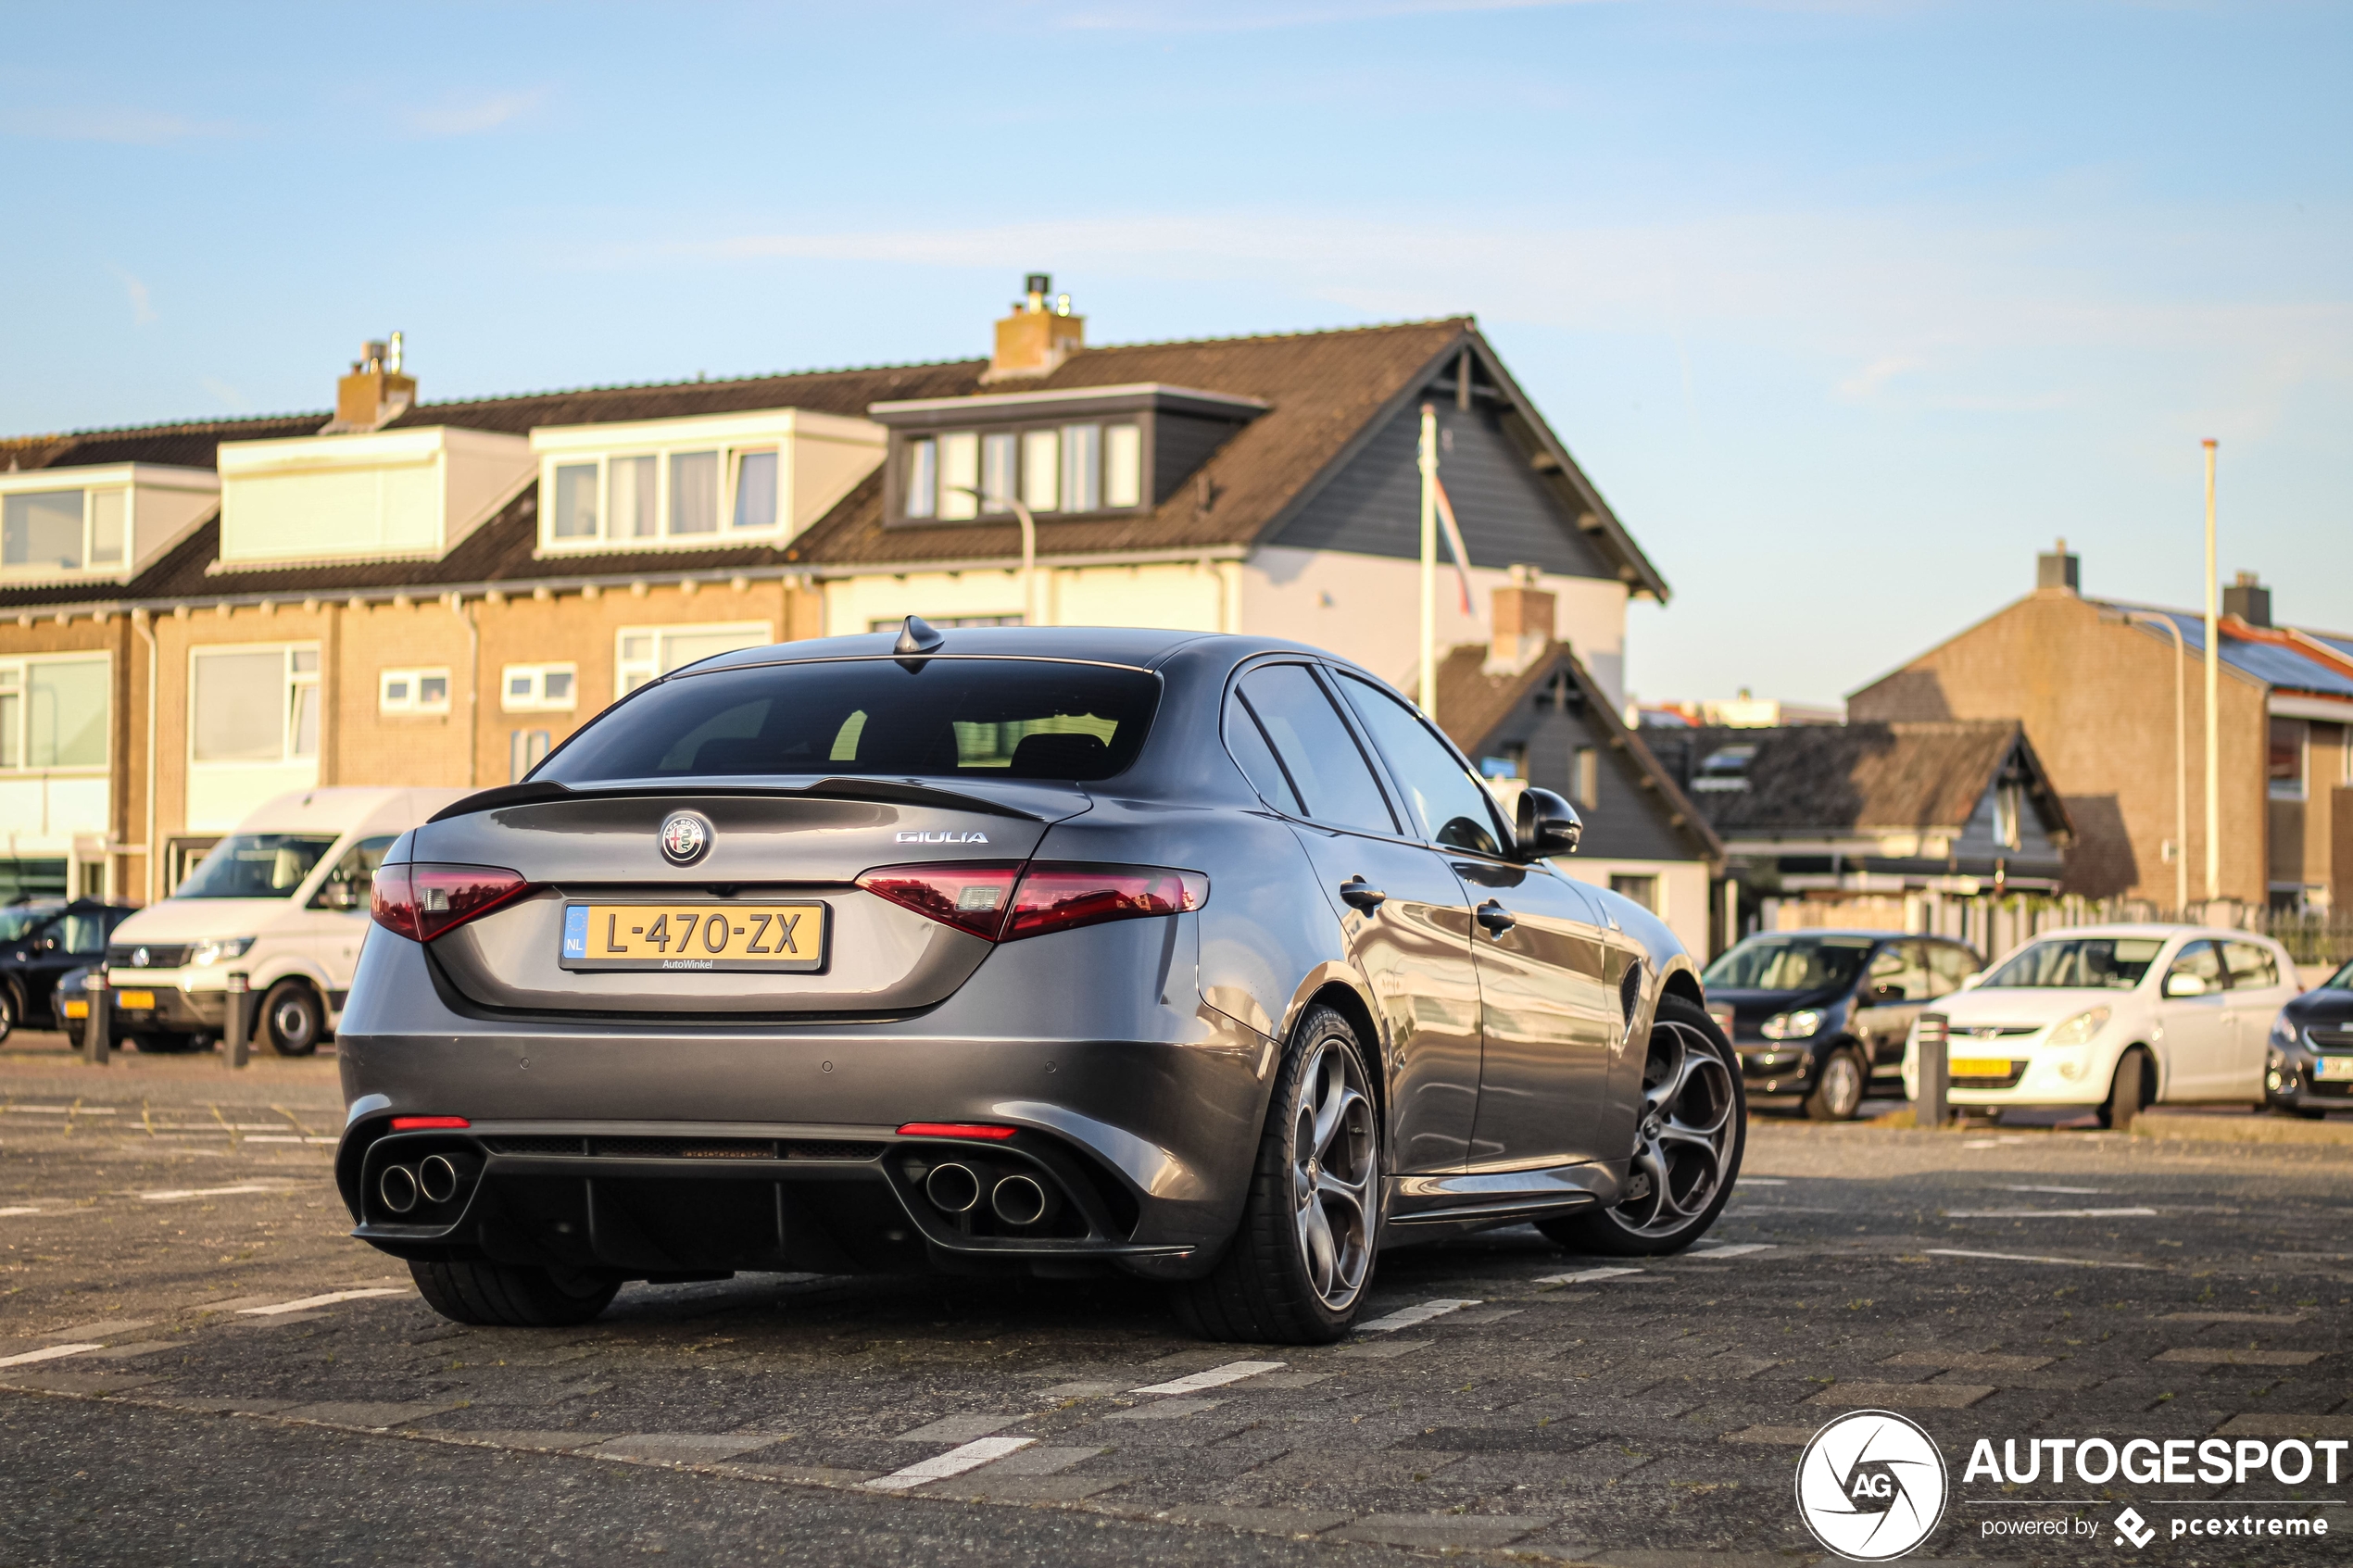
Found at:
(953, 1188)
(1019, 1200)
(438, 1178)
(397, 1187)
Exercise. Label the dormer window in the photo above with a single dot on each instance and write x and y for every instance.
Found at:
(66, 522)
(692, 483)
(1726, 767)
(1077, 453)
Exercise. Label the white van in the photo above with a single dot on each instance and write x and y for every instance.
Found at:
(283, 901)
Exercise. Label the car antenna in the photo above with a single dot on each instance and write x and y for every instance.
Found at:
(918, 635)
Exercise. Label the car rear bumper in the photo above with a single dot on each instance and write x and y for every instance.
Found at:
(1137, 1107)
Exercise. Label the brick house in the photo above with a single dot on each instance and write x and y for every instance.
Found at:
(416, 593)
(2093, 682)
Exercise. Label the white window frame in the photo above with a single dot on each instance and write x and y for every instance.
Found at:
(415, 702)
(292, 682)
(538, 701)
(629, 673)
(86, 568)
(22, 666)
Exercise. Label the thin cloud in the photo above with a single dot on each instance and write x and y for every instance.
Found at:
(228, 397)
(474, 115)
(121, 127)
(143, 309)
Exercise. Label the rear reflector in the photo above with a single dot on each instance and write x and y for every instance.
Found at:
(427, 1124)
(1000, 902)
(423, 899)
(955, 1130)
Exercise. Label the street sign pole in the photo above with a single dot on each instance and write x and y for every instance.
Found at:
(234, 1006)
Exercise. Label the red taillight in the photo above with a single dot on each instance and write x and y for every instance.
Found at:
(421, 900)
(954, 1130)
(1000, 901)
(427, 1124)
(1055, 898)
(970, 897)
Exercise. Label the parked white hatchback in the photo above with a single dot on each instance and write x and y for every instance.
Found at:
(2116, 1017)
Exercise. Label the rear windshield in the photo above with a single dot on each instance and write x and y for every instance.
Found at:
(254, 865)
(1790, 964)
(1002, 718)
(2108, 963)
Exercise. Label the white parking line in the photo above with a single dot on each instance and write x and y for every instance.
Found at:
(1738, 1250)
(955, 1461)
(50, 1354)
(177, 1194)
(2076, 1190)
(1409, 1316)
(287, 1137)
(1586, 1277)
(1763, 1182)
(2050, 1214)
(21, 1209)
(2033, 1257)
(327, 1300)
(1215, 1377)
(63, 1110)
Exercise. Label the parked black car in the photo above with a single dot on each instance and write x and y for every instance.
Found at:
(1824, 1014)
(2311, 1071)
(38, 954)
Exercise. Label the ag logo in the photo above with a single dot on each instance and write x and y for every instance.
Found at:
(685, 838)
(1872, 1486)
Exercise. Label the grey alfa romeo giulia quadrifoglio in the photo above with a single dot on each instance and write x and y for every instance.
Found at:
(1007, 950)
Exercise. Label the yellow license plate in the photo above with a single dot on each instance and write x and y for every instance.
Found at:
(686, 937)
(136, 1000)
(2332, 1067)
(1980, 1067)
(77, 1009)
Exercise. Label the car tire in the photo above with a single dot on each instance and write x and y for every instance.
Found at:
(1299, 1264)
(1839, 1087)
(12, 1012)
(292, 1020)
(1692, 1130)
(510, 1295)
(2128, 1091)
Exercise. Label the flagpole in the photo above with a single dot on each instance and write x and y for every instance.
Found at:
(2213, 666)
(1428, 464)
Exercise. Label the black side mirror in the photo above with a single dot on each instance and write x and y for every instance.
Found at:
(1548, 825)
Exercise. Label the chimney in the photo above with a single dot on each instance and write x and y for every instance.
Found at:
(375, 393)
(2057, 571)
(1039, 335)
(1522, 618)
(2249, 599)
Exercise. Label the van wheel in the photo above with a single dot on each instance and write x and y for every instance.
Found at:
(2132, 1090)
(291, 1018)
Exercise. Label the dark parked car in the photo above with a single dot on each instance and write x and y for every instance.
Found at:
(1824, 1014)
(2310, 1070)
(1027, 951)
(63, 938)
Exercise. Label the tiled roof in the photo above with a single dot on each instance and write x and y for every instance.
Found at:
(189, 443)
(1859, 777)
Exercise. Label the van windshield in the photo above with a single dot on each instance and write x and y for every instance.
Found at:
(1002, 718)
(2108, 963)
(254, 865)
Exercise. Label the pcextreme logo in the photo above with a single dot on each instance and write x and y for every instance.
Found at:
(1872, 1486)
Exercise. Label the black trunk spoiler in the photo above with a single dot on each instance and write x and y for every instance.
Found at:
(892, 792)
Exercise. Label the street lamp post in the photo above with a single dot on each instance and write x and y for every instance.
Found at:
(1028, 545)
(2180, 753)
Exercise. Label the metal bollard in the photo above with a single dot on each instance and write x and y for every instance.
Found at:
(98, 1031)
(232, 1000)
(1931, 1071)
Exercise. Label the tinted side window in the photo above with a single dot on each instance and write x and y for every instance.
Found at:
(1898, 964)
(2251, 966)
(1452, 807)
(83, 933)
(1316, 748)
(1248, 742)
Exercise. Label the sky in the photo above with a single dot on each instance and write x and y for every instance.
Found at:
(1848, 307)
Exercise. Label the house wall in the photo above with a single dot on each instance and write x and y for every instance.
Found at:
(1367, 607)
(79, 816)
(1181, 596)
(2096, 699)
(1682, 884)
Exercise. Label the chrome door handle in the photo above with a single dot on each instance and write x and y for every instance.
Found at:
(1496, 919)
(1358, 894)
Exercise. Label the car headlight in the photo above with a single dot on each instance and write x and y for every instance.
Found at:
(218, 948)
(2078, 1030)
(2283, 1033)
(1800, 1026)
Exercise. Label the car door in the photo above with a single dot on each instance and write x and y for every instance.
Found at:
(73, 940)
(1402, 914)
(1550, 1017)
(2255, 995)
(1894, 989)
(2192, 1008)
